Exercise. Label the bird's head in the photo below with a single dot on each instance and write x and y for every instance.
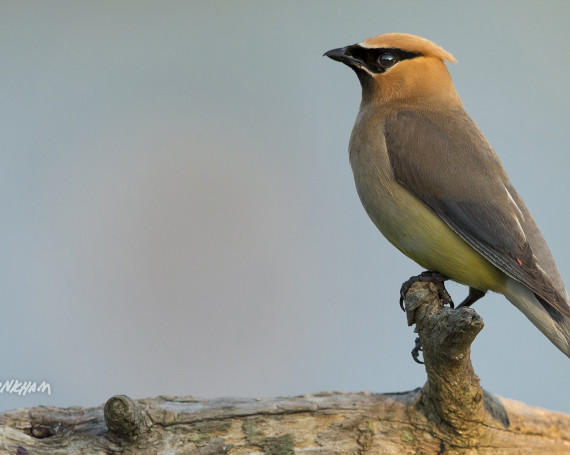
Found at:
(398, 67)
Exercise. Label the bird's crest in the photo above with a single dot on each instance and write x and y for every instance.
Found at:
(407, 42)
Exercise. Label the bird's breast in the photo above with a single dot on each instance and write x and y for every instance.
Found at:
(406, 221)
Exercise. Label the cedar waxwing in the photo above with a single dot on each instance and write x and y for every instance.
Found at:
(432, 184)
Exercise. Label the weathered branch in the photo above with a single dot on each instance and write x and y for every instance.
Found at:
(452, 396)
(451, 414)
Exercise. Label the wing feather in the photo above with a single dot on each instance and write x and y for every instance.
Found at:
(444, 159)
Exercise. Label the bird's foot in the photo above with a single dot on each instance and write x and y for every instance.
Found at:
(416, 351)
(474, 295)
(436, 278)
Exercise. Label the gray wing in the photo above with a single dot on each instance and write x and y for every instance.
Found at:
(444, 159)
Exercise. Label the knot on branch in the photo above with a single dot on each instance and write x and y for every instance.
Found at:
(124, 418)
(452, 395)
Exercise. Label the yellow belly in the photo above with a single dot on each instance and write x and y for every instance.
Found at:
(404, 220)
(414, 229)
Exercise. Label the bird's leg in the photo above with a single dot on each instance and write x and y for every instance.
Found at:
(434, 277)
(474, 295)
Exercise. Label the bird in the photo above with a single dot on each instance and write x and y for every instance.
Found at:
(435, 188)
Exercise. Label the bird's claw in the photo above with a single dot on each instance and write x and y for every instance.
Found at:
(416, 351)
(402, 302)
(438, 279)
(435, 277)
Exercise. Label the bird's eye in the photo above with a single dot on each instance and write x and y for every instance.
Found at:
(387, 60)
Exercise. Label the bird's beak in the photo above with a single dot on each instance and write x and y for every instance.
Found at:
(344, 55)
(339, 55)
(336, 54)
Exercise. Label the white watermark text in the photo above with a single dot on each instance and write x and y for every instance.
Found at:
(23, 388)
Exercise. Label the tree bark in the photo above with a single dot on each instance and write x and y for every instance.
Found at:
(451, 414)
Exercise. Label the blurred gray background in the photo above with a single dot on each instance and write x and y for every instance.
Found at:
(178, 211)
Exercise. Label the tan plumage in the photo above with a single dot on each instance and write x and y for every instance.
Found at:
(435, 188)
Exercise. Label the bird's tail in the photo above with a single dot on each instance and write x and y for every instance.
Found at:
(549, 321)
